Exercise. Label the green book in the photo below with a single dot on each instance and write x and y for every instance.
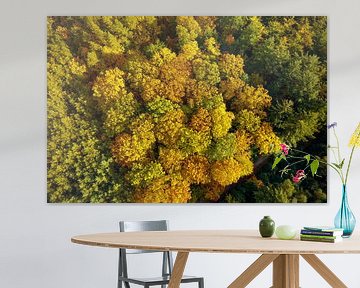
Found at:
(325, 240)
(319, 236)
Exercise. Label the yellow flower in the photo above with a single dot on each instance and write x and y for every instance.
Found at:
(355, 138)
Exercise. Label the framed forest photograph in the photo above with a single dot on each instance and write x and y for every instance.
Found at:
(185, 109)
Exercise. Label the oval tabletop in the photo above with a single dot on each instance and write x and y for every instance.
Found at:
(221, 241)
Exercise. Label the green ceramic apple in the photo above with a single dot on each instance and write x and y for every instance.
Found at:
(285, 232)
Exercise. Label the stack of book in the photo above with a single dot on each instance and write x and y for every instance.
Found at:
(321, 234)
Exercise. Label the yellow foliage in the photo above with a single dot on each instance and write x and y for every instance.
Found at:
(169, 82)
(196, 169)
(171, 159)
(62, 31)
(221, 120)
(242, 143)
(205, 70)
(226, 172)
(231, 87)
(197, 91)
(192, 142)
(174, 76)
(166, 189)
(151, 89)
(109, 85)
(128, 149)
(139, 70)
(306, 34)
(92, 59)
(245, 164)
(190, 50)
(201, 120)
(213, 191)
(124, 150)
(248, 120)
(142, 125)
(168, 128)
(266, 140)
(173, 90)
(254, 99)
(207, 24)
(113, 51)
(162, 56)
(355, 138)
(212, 47)
(231, 66)
(117, 117)
(187, 29)
(76, 68)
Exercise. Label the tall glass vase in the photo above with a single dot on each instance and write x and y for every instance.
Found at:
(345, 219)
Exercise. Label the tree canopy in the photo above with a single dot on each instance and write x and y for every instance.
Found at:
(176, 109)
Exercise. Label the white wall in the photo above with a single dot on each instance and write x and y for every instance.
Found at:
(35, 248)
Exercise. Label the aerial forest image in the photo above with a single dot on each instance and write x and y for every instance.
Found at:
(185, 109)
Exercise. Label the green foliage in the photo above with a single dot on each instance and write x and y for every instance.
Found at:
(118, 116)
(183, 109)
(222, 148)
(282, 193)
(144, 174)
(192, 142)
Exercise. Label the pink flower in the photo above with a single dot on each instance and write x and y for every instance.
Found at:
(300, 174)
(284, 148)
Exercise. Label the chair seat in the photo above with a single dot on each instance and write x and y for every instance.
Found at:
(158, 280)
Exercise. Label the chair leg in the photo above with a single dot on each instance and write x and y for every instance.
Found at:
(201, 283)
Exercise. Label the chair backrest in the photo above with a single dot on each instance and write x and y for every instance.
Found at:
(134, 226)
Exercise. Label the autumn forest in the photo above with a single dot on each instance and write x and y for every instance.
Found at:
(183, 109)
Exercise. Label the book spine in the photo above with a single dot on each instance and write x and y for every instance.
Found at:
(320, 233)
(319, 236)
(318, 239)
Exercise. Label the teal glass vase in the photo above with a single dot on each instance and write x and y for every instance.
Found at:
(345, 219)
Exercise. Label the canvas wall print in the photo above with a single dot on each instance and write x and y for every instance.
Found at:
(184, 109)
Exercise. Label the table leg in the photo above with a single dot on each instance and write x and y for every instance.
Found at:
(253, 270)
(178, 269)
(286, 271)
(324, 271)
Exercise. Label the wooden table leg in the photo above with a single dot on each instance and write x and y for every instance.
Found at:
(178, 270)
(286, 271)
(324, 271)
(253, 270)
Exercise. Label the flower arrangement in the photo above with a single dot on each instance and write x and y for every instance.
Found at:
(311, 162)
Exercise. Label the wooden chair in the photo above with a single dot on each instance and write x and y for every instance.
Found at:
(167, 262)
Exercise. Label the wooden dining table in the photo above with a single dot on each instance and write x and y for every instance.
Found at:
(283, 254)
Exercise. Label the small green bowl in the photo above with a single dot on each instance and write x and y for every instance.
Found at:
(285, 232)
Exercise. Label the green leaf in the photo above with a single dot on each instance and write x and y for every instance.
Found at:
(276, 161)
(342, 163)
(314, 166)
(339, 166)
(336, 165)
(307, 157)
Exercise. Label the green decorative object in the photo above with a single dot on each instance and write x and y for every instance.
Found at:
(266, 226)
(285, 232)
